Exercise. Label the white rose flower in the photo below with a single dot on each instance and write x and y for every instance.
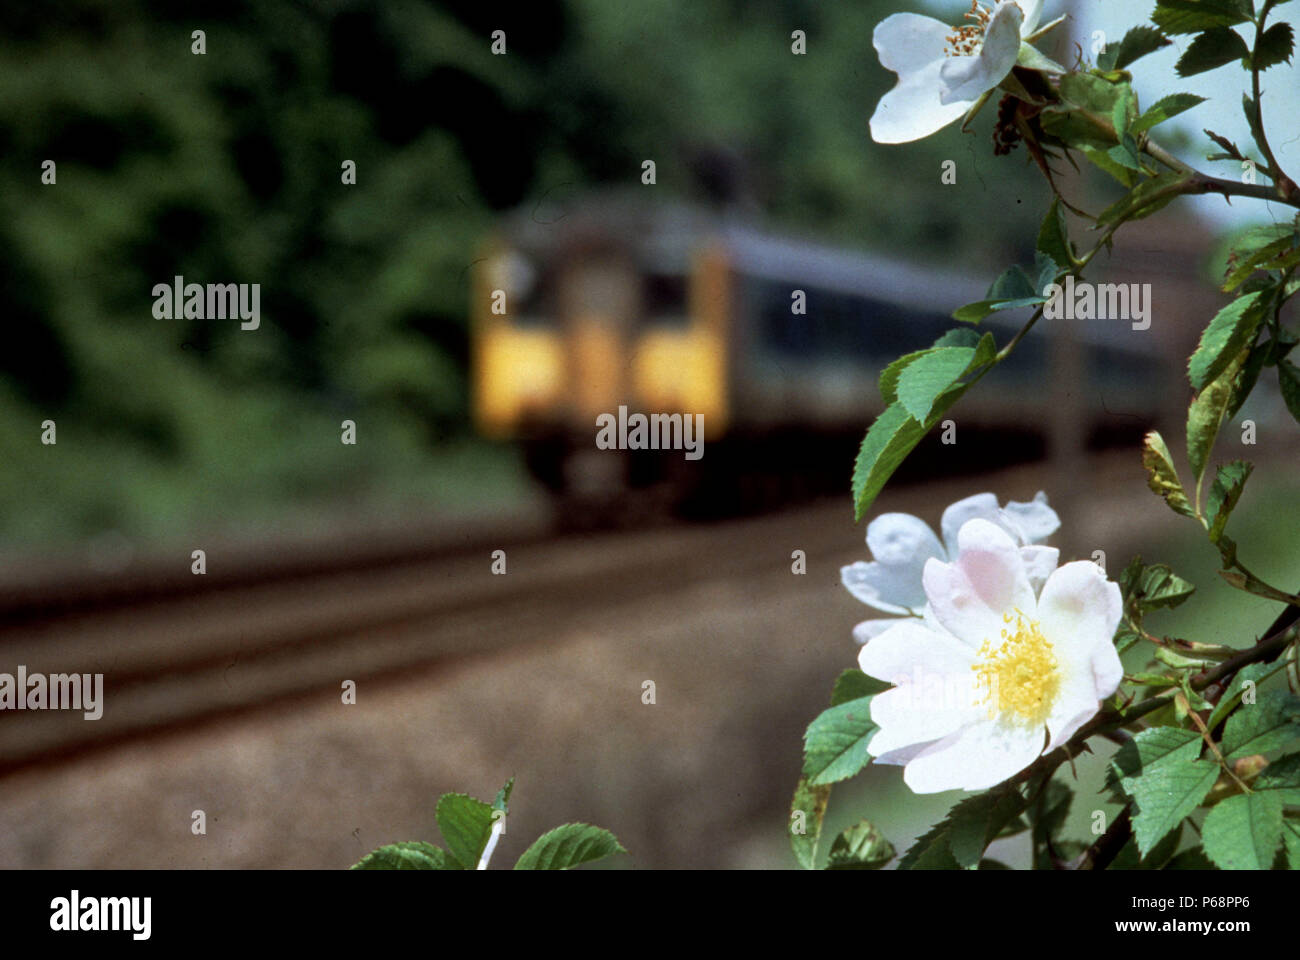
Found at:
(900, 545)
(1000, 676)
(942, 70)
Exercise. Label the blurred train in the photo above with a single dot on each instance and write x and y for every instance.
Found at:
(609, 302)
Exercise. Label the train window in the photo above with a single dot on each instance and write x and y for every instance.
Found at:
(664, 301)
(836, 323)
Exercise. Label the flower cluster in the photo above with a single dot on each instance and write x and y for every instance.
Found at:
(1008, 654)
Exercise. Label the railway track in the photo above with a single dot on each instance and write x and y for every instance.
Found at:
(175, 658)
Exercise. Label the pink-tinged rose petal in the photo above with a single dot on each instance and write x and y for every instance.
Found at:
(1079, 609)
(988, 579)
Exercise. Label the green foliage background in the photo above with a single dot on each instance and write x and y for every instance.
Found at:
(226, 168)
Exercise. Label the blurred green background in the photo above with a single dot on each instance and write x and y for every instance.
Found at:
(226, 168)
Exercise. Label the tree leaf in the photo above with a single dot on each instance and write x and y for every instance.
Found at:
(1162, 478)
(1206, 413)
(1212, 49)
(835, 744)
(1243, 832)
(408, 855)
(1164, 108)
(860, 847)
(1291, 835)
(853, 684)
(811, 802)
(890, 439)
(568, 846)
(1251, 673)
(466, 824)
(1275, 46)
(1229, 481)
(1288, 376)
(1160, 771)
(1144, 199)
(503, 796)
(1282, 778)
(1137, 43)
(1193, 16)
(1232, 328)
(1158, 586)
(925, 378)
(1053, 236)
(1271, 722)
(960, 839)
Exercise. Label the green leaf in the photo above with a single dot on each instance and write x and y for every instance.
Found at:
(1229, 481)
(1160, 771)
(503, 796)
(923, 380)
(1158, 586)
(835, 744)
(1164, 108)
(1207, 412)
(1130, 858)
(1193, 859)
(1232, 329)
(466, 824)
(1275, 46)
(1124, 112)
(860, 847)
(1137, 43)
(890, 439)
(1102, 160)
(1243, 832)
(1281, 778)
(853, 684)
(568, 846)
(1212, 49)
(1144, 199)
(1089, 91)
(1193, 16)
(889, 376)
(1048, 813)
(1271, 722)
(1162, 478)
(1077, 129)
(807, 811)
(1255, 248)
(977, 311)
(1252, 673)
(960, 839)
(1291, 835)
(1288, 377)
(410, 855)
(1053, 236)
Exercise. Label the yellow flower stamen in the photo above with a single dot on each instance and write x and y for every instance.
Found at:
(1020, 675)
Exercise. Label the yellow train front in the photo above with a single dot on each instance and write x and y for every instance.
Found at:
(611, 308)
